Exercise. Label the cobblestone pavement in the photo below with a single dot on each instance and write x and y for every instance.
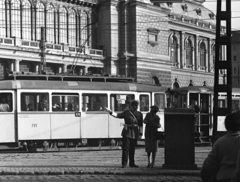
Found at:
(99, 178)
(92, 166)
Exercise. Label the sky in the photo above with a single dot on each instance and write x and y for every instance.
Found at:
(212, 5)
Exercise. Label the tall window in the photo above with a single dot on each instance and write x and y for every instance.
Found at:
(50, 23)
(15, 16)
(72, 28)
(188, 46)
(26, 20)
(173, 50)
(8, 21)
(84, 28)
(212, 63)
(2, 19)
(63, 25)
(40, 19)
(202, 55)
(78, 28)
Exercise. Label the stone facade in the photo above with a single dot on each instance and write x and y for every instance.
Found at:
(142, 32)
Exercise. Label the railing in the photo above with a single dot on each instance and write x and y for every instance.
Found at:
(27, 43)
(7, 41)
(51, 46)
(55, 47)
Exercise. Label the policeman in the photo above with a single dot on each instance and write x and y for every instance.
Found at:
(132, 130)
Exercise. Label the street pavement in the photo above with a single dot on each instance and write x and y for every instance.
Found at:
(92, 166)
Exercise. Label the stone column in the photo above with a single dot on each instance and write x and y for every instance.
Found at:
(178, 49)
(196, 52)
(16, 66)
(182, 50)
(37, 68)
(65, 68)
(11, 66)
(60, 69)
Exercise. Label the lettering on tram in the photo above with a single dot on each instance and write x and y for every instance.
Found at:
(58, 111)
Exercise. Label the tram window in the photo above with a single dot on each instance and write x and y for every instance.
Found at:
(159, 100)
(34, 101)
(120, 102)
(235, 105)
(6, 102)
(94, 102)
(221, 104)
(144, 102)
(65, 102)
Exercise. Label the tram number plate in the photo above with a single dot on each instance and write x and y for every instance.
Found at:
(77, 114)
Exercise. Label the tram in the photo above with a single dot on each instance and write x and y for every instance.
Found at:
(50, 109)
(199, 98)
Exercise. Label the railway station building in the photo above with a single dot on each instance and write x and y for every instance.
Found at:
(165, 43)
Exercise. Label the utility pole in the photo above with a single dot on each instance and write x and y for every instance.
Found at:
(223, 42)
(42, 47)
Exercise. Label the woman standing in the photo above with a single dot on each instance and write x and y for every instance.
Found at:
(152, 122)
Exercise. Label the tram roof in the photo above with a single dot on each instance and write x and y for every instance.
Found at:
(197, 89)
(79, 85)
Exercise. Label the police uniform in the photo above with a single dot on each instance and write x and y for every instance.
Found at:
(130, 133)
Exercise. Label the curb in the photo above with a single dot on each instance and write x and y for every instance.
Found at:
(117, 171)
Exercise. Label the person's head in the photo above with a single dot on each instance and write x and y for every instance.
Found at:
(154, 109)
(134, 105)
(69, 106)
(232, 122)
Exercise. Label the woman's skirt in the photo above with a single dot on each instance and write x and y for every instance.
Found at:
(151, 145)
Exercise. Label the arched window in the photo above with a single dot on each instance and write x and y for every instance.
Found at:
(202, 56)
(84, 28)
(63, 25)
(26, 20)
(40, 19)
(188, 46)
(50, 23)
(15, 16)
(173, 50)
(72, 28)
(2, 19)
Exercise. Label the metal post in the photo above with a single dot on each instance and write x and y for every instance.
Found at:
(223, 40)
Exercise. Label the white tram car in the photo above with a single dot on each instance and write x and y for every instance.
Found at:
(51, 109)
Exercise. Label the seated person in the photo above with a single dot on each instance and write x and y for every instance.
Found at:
(97, 105)
(29, 107)
(70, 107)
(4, 107)
(56, 107)
(43, 105)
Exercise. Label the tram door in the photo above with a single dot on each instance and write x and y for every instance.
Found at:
(201, 102)
(7, 119)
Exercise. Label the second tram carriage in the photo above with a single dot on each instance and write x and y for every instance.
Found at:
(203, 97)
(199, 98)
(50, 109)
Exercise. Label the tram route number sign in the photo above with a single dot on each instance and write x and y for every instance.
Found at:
(77, 114)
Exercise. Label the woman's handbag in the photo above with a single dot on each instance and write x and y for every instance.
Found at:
(159, 135)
